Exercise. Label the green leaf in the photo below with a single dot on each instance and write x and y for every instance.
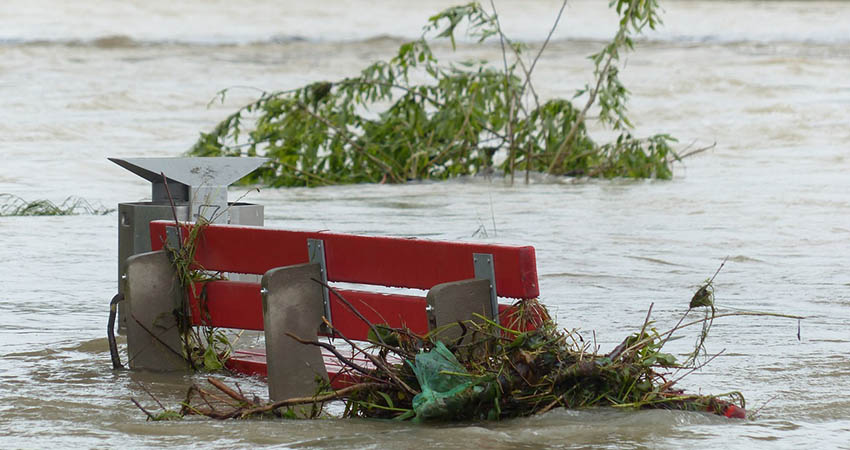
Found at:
(704, 296)
(386, 398)
(386, 334)
(167, 415)
(211, 360)
(665, 360)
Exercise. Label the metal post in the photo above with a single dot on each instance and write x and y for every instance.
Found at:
(316, 250)
(484, 268)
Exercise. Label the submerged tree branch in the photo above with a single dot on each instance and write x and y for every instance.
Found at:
(382, 126)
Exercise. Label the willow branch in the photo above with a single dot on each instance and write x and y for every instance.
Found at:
(347, 136)
(230, 392)
(581, 117)
(316, 399)
(333, 350)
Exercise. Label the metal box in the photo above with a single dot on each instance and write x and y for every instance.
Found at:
(196, 186)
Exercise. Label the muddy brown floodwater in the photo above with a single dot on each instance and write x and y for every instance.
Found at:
(768, 81)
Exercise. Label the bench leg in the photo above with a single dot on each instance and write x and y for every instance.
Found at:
(153, 293)
(292, 302)
(457, 301)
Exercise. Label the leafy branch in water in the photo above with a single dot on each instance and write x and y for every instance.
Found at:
(386, 126)
(12, 205)
(205, 346)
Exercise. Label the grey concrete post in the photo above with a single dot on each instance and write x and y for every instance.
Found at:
(152, 293)
(456, 301)
(292, 302)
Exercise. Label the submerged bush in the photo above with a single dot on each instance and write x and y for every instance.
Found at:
(12, 205)
(467, 118)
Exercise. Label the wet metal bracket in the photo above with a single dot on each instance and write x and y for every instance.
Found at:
(316, 252)
(484, 268)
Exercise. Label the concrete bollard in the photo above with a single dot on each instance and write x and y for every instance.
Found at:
(153, 293)
(292, 302)
(456, 301)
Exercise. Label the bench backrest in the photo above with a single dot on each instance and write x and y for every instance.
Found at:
(383, 261)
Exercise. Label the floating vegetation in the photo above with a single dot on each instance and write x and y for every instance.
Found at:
(12, 205)
(413, 117)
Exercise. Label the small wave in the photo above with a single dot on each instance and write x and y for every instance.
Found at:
(283, 39)
(115, 41)
(36, 353)
(105, 42)
(653, 260)
(98, 345)
(576, 275)
(119, 41)
(744, 259)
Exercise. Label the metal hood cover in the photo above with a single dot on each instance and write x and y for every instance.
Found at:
(208, 172)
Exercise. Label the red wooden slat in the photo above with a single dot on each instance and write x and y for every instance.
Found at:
(252, 363)
(398, 262)
(233, 304)
(248, 363)
(229, 304)
(392, 309)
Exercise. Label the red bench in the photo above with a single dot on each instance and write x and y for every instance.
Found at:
(462, 278)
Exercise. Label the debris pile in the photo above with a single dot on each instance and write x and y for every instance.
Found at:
(488, 371)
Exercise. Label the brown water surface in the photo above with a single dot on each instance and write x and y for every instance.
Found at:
(768, 81)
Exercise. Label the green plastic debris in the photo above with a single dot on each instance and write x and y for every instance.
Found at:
(446, 385)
